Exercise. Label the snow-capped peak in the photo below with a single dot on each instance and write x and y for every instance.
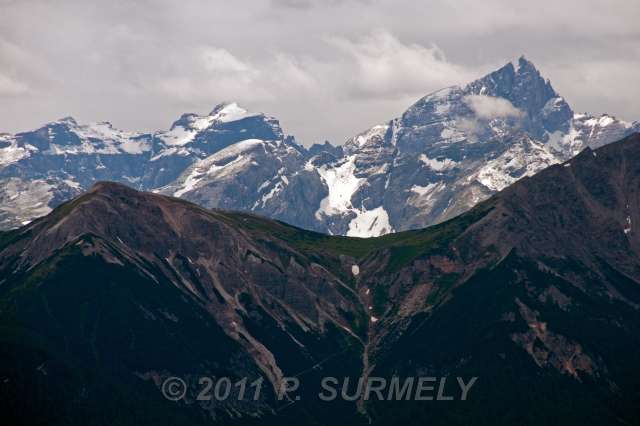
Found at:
(99, 138)
(523, 65)
(188, 126)
(448, 151)
(230, 111)
(67, 120)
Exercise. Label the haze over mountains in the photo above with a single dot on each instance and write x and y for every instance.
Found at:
(447, 152)
(535, 291)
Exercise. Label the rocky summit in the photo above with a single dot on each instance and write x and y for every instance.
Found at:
(447, 152)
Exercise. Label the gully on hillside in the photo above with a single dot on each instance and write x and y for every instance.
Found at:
(534, 292)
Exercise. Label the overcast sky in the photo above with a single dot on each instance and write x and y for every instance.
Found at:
(327, 69)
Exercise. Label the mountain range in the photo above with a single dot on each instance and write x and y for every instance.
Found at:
(534, 291)
(447, 152)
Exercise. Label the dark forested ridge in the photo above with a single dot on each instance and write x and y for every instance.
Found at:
(535, 291)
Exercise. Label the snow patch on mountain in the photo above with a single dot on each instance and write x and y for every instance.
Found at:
(439, 164)
(425, 196)
(370, 223)
(278, 182)
(587, 131)
(342, 184)
(224, 163)
(553, 105)
(190, 125)
(269, 195)
(229, 112)
(21, 200)
(115, 140)
(378, 131)
(524, 158)
(446, 152)
(94, 138)
(167, 152)
(10, 151)
(367, 138)
(179, 135)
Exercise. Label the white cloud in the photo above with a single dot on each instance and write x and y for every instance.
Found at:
(489, 107)
(314, 64)
(380, 65)
(377, 66)
(211, 74)
(319, 94)
(11, 87)
(308, 4)
(288, 72)
(222, 61)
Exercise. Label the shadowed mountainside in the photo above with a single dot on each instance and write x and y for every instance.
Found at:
(534, 291)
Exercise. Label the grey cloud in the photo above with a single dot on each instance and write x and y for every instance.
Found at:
(380, 65)
(308, 4)
(488, 107)
(327, 69)
(11, 87)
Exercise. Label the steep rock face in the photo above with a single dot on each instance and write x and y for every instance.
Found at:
(64, 158)
(534, 292)
(195, 137)
(459, 145)
(448, 151)
(43, 168)
(254, 175)
(80, 153)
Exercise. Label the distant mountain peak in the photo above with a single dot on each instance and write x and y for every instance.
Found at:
(222, 105)
(515, 72)
(525, 65)
(524, 86)
(444, 154)
(67, 120)
(230, 111)
(222, 113)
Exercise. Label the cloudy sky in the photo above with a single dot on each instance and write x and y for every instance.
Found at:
(327, 69)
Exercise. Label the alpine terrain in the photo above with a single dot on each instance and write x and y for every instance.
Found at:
(534, 292)
(447, 152)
